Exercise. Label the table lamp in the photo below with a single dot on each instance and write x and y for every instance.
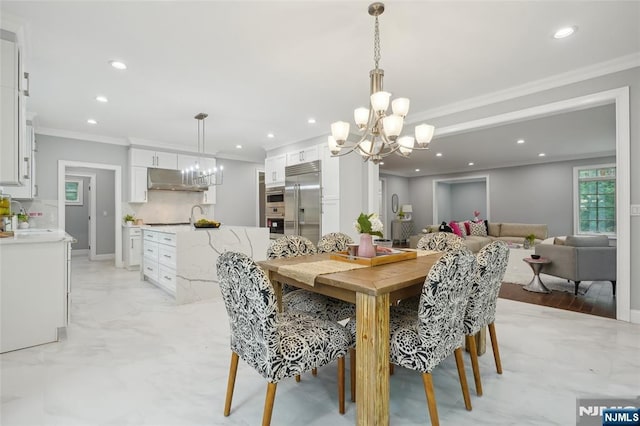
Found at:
(407, 209)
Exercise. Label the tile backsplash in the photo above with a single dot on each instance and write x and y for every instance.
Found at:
(167, 206)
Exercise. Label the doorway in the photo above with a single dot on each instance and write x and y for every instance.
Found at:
(80, 213)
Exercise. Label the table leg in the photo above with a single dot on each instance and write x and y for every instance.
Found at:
(277, 288)
(372, 359)
(536, 284)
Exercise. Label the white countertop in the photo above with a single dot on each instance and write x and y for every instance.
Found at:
(34, 235)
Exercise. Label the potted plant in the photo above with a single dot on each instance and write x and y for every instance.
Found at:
(401, 214)
(128, 219)
(23, 221)
(529, 240)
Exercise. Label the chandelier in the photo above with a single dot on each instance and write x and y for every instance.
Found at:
(380, 130)
(198, 173)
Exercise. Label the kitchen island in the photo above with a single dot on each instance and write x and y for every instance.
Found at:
(35, 286)
(182, 260)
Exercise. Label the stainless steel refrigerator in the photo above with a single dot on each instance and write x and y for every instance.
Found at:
(302, 200)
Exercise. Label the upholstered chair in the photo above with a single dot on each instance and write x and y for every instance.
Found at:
(491, 262)
(276, 345)
(333, 242)
(440, 241)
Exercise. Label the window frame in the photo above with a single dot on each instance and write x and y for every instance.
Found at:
(77, 200)
(576, 198)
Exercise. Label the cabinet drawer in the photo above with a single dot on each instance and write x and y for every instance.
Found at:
(167, 256)
(151, 236)
(150, 269)
(135, 231)
(168, 239)
(150, 250)
(167, 278)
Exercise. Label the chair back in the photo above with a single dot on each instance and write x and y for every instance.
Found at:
(251, 308)
(333, 242)
(442, 306)
(290, 246)
(440, 241)
(492, 262)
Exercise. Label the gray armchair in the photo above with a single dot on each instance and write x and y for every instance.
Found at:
(581, 258)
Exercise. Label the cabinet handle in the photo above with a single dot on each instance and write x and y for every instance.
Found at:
(167, 239)
(132, 243)
(149, 269)
(145, 195)
(150, 251)
(36, 193)
(28, 164)
(26, 91)
(167, 256)
(168, 278)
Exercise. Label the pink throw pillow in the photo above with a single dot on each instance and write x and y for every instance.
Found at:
(456, 229)
(467, 227)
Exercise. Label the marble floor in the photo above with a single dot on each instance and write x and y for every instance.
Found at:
(130, 356)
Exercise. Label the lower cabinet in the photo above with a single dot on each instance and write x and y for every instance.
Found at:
(159, 259)
(131, 239)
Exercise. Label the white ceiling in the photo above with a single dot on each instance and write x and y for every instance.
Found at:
(267, 66)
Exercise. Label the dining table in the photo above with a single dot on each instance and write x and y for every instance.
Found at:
(373, 290)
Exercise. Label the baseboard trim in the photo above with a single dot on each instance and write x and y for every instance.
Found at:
(79, 252)
(108, 256)
(634, 316)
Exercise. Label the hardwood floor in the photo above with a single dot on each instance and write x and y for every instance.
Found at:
(598, 300)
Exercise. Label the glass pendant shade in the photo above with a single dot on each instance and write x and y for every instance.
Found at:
(400, 106)
(392, 125)
(333, 145)
(340, 131)
(406, 144)
(424, 134)
(380, 101)
(361, 116)
(365, 148)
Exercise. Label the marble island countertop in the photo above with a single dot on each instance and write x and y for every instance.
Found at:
(36, 235)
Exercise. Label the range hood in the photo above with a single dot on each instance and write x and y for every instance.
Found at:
(170, 180)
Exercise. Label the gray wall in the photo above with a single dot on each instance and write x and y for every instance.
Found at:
(395, 185)
(466, 198)
(77, 217)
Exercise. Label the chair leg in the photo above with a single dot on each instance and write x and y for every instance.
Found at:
(341, 385)
(463, 379)
(231, 383)
(613, 283)
(314, 371)
(268, 403)
(297, 378)
(494, 345)
(473, 352)
(577, 283)
(352, 372)
(431, 398)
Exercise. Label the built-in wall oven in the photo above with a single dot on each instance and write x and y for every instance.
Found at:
(274, 211)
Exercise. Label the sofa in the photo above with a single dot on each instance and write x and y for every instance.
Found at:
(507, 231)
(580, 258)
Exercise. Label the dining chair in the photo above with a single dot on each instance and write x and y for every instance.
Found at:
(277, 345)
(492, 262)
(440, 241)
(290, 246)
(334, 242)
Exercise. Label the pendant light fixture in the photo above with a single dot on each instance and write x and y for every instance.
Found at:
(198, 173)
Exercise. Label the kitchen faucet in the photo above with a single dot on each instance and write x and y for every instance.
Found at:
(191, 219)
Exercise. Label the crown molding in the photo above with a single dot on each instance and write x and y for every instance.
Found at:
(592, 71)
(48, 131)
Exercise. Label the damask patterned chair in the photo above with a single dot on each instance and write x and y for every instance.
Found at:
(276, 345)
(440, 241)
(492, 262)
(333, 242)
(303, 300)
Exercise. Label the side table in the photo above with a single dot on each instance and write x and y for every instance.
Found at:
(536, 265)
(401, 230)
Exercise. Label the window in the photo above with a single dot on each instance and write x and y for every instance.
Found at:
(73, 192)
(595, 205)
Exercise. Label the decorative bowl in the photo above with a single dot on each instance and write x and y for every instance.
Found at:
(535, 256)
(207, 225)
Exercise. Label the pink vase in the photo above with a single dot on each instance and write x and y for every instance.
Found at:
(366, 248)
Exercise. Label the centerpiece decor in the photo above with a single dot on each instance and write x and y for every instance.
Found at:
(367, 226)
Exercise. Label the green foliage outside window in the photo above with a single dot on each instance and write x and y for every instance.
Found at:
(597, 202)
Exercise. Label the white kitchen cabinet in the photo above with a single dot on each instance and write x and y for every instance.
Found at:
(152, 158)
(12, 120)
(159, 259)
(274, 170)
(330, 173)
(29, 189)
(137, 184)
(131, 238)
(302, 156)
(330, 216)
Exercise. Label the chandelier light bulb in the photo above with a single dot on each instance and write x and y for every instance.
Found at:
(424, 134)
(365, 148)
(380, 101)
(333, 145)
(340, 131)
(392, 125)
(361, 117)
(400, 107)
(406, 144)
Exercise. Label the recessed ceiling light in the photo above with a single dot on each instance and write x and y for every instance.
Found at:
(542, 154)
(239, 146)
(118, 65)
(92, 121)
(271, 135)
(102, 99)
(520, 141)
(439, 154)
(417, 170)
(311, 121)
(564, 32)
(471, 163)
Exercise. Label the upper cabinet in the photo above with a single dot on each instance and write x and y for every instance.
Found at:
(274, 170)
(330, 174)
(13, 149)
(151, 158)
(29, 190)
(302, 156)
(137, 184)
